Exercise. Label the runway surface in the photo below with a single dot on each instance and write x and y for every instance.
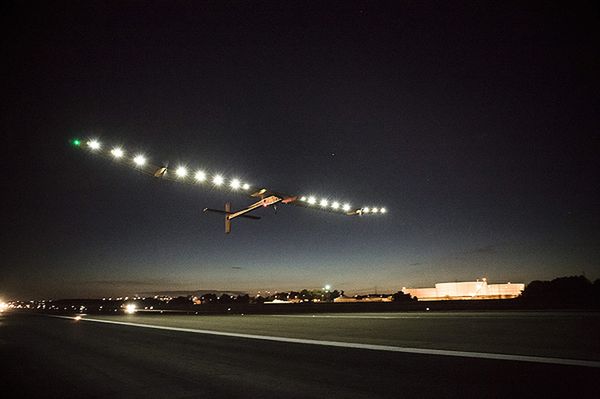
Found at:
(54, 357)
(567, 335)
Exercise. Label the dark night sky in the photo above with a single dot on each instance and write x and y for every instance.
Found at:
(475, 123)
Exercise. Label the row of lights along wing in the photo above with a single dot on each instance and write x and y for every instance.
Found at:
(218, 180)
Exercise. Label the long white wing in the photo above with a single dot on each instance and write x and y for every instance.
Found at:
(141, 163)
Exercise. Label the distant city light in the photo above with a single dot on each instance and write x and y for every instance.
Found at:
(218, 180)
(346, 207)
(366, 209)
(246, 186)
(130, 308)
(382, 210)
(327, 287)
(139, 160)
(312, 200)
(324, 203)
(335, 205)
(375, 210)
(181, 172)
(94, 144)
(303, 199)
(77, 318)
(200, 175)
(3, 306)
(117, 152)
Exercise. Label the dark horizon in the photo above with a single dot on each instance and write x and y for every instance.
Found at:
(474, 124)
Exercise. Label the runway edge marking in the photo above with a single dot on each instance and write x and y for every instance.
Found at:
(385, 348)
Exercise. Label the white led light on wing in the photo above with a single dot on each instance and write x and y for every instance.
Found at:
(117, 152)
(200, 176)
(139, 160)
(235, 184)
(190, 175)
(94, 144)
(181, 172)
(218, 180)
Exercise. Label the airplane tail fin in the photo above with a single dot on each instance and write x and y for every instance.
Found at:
(227, 220)
(227, 212)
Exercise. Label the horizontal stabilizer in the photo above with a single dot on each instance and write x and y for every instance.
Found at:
(229, 213)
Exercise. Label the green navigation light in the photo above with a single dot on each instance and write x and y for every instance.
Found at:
(76, 142)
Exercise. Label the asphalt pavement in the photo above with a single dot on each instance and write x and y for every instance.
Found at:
(51, 357)
(565, 335)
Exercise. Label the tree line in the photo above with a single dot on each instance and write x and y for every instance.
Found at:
(563, 292)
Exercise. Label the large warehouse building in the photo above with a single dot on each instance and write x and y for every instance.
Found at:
(479, 289)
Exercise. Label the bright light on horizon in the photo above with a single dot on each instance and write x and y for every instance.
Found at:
(130, 308)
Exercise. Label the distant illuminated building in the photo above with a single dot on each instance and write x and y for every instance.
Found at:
(277, 301)
(479, 289)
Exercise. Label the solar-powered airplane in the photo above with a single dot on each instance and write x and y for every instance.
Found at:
(264, 197)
